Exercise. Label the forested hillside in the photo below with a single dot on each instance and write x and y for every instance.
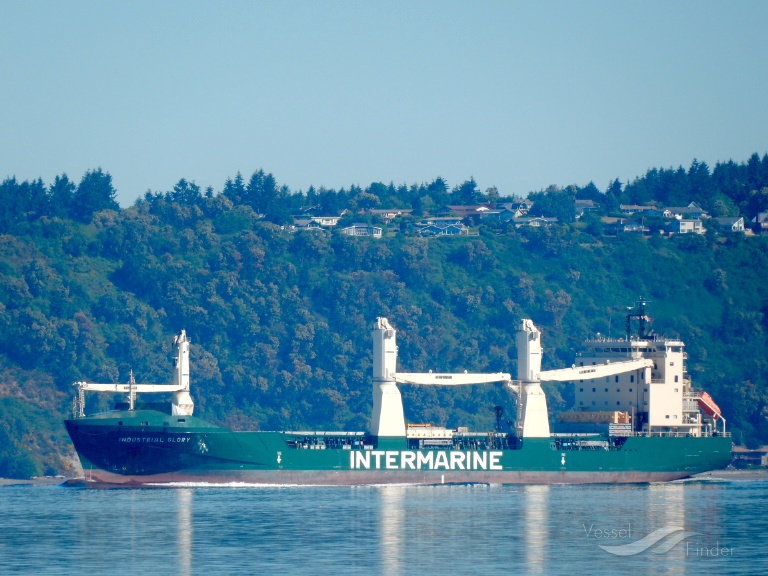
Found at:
(280, 320)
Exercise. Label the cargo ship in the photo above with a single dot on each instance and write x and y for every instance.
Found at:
(636, 415)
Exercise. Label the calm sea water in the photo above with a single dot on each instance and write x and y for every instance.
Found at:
(387, 530)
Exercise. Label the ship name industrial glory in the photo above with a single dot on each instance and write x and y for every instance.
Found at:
(636, 418)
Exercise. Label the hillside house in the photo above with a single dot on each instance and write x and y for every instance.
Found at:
(761, 223)
(534, 221)
(326, 221)
(439, 221)
(584, 206)
(305, 224)
(691, 212)
(464, 211)
(446, 230)
(389, 214)
(631, 225)
(362, 230)
(686, 226)
(630, 209)
(731, 223)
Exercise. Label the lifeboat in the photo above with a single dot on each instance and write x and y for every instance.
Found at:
(708, 405)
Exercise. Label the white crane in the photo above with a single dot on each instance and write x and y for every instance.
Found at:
(388, 419)
(182, 401)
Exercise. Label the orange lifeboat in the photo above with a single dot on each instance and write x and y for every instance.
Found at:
(708, 405)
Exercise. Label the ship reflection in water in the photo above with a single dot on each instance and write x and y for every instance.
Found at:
(536, 532)
(184, 546)
(415, 530)
(392, 528)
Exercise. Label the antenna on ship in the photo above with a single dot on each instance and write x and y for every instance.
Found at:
(637, 313)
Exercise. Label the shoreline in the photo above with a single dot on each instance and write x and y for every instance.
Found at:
(49, 481)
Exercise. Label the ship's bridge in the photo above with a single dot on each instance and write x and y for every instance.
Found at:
(632, 348)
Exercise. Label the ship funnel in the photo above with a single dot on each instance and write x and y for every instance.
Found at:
(182, 401)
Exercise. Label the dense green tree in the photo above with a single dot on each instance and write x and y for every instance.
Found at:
(555, 203)
(589, 192)
(614, 196)
(94, 193)
(467, 193)
(438, 191)
(61, 196)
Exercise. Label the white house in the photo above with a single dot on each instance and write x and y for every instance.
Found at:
(686, 227)
(326, 220)
(362, 230)
(533, 221)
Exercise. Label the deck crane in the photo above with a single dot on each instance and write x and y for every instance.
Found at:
(182, 401)
(388, 419)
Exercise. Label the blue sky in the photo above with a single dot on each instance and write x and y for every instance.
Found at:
(518, 95)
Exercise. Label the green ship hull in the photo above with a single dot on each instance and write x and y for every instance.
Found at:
(149, 447)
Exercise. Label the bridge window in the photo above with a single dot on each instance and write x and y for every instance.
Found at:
(617, 378)
(593, 390)
(630, 389)
(581, 389)
(631, 377)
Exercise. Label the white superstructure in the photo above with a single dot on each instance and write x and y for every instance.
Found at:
(660, 397)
